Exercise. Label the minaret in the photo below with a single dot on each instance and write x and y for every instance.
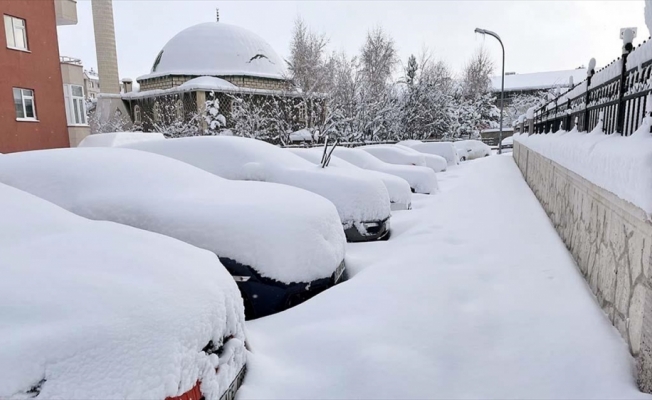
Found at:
(107, 59)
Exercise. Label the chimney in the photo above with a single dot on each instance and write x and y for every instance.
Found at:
(107, 59)
(129, 85)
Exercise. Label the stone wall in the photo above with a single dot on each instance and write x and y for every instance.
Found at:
(610, 239)
(250, 82)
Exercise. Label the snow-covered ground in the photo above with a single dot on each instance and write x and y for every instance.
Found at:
(474, 296)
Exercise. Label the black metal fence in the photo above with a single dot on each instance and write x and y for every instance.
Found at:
(618, 92)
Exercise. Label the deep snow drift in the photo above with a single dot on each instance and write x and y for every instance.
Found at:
(100, 310)
(284, 233)
(356, 198)
(115, 139)
(475, 296)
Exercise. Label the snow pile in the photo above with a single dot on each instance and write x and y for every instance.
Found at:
(442, 149)
(399, 191)
(101, 310)
(472, 149)
(421, 179)
(115, 139)
(538, 80)
(302, 135)
(394, 154)
(283, 233)
(207, 83)
(357, 199)
(468, 300)
(619, 164)
(219, 49)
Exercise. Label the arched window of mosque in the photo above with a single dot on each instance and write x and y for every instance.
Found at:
(157, 112)
(179, 109)
(137, 115)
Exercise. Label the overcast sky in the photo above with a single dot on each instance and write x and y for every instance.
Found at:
(538, 35)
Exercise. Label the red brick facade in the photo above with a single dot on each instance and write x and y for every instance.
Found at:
(38, 70)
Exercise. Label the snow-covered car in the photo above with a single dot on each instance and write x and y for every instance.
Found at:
(282, 245)
(362, 202)
(442, 149)
(403, 155)
(421, 179)
(507, 143)
(400, 195)
(98, 310)
(394, 155)
(114, 139)
(472, 149)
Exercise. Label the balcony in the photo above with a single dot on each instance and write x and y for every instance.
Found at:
(66, 12)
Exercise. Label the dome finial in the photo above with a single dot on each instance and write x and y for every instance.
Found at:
(217, 14)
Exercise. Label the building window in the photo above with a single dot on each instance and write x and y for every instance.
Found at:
(137, 116)
(156, 112)
(16, 33)
(24, 103)
(179, 110)
(75, 108)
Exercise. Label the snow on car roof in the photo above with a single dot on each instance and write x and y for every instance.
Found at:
(398, 188)
(101, 310)
(219, 49)
(443, 149)
(114, 139)
(422, 179)
(394, 155)
(356, 198)
(433, 161)
(284, 233)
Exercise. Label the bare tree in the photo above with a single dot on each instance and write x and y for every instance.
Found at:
(307, 65)
(476, 81)
(378, 58)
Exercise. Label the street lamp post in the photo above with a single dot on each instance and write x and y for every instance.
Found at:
(502, 85)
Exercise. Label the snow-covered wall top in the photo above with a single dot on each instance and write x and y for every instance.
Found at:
(538, 80)
(216, 48)
(640, 55)
(619, 164)
(607, 73)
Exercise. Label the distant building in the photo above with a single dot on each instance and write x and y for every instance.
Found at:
(32, 107)
(72, 73)
(91, 84)
(519, 84)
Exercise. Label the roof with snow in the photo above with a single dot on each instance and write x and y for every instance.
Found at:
(218, 49)
(539, 80)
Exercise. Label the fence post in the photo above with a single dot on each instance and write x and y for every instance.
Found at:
(586, 100)
(620, 120)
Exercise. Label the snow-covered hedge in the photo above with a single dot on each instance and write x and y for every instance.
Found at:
(619, 164)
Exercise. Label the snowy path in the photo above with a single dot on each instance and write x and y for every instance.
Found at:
(474, 296)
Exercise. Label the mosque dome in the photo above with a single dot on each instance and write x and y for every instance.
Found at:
(218, 49)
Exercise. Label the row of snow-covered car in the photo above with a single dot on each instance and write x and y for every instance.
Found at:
(98, 309)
